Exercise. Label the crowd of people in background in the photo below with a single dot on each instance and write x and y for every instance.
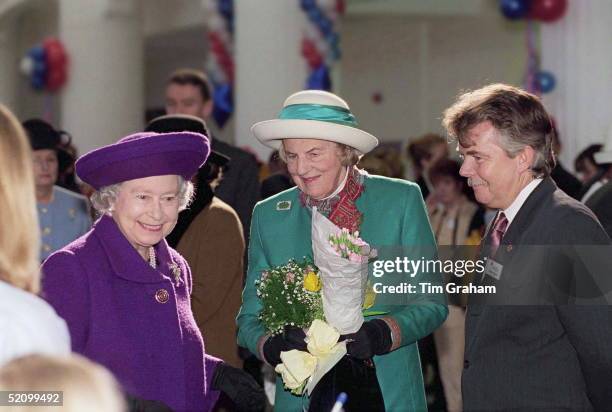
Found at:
(211, 237)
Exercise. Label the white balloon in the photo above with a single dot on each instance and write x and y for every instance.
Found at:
(327, 5)
(311, 32)
(214, 71)
(26, 65)
(322, 45)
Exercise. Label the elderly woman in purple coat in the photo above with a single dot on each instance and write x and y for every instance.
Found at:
(125, 294)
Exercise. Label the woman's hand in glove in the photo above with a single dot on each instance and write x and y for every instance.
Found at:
(240, 387)
(373, 338)
(291, 338)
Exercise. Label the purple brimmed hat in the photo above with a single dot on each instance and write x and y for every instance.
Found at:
(144, 155)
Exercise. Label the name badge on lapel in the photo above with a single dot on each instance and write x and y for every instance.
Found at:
(493, 269)
(283, 205)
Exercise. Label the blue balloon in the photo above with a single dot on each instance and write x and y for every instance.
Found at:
(37, 53)
(40, 68)
(319, 79)
(545, 81)
(226, 9)
(514, 9)
(223, 103)
(37, 82)
(307, 4)
(314, 14)
(332, 38)
(325, 25)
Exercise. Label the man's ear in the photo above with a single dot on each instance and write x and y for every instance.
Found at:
(525, 158)
(207, 109)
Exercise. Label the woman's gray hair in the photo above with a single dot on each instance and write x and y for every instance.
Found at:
(103, 200)
(349, 156)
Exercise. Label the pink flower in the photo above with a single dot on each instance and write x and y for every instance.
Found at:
(289, 277)
(354, 257)
(264, 275)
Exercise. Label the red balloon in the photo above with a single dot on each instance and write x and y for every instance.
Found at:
(55, 80)
(547, 10)
(308, 47)
(340, 7)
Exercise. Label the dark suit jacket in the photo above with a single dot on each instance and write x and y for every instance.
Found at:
(522, 352)
(566, 181)
(240, 184)
(600, 203)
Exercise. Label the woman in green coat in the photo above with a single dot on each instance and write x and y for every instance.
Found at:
(317, 136)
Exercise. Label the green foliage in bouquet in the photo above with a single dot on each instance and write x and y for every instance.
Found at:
(290, 295)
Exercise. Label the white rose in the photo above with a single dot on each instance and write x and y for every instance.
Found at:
(297, 366)
(321, 338)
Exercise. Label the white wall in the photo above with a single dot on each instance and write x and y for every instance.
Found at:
(419, 65)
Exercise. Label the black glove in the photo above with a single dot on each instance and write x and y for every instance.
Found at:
(373, 338)
(240, 387)
(291, 338)
(144, 405)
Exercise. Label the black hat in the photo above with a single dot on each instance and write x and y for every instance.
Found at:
(43, 136)
(185, 123)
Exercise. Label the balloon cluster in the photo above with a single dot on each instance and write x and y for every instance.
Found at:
(543, 10)
(220, 64)
(321, 41)
(547, 11)
(46, 65)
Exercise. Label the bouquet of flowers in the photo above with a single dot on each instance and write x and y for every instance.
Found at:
(290, 295)
(342, 259)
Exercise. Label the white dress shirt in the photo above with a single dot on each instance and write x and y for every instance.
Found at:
(512, 210)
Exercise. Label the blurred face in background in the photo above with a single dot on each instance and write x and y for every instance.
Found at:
(45, 167)
(187, 99)
(314, 165)
(437, 152)
(447, 190)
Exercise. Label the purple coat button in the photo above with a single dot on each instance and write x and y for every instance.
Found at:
(161, 296)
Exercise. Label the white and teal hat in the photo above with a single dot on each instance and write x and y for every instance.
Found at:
(314, 114)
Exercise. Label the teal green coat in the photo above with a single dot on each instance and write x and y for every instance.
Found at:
(393, 215)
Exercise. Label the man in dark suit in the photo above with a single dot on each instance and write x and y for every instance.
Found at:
(564, 179)
(188, 91)
(531, 345)
(600, 201)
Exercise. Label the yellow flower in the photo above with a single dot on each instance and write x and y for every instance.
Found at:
(297, 366)
(369, 298)
(312, 283)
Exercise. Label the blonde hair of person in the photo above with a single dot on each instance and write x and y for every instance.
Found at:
(86, 386)
(19, 236)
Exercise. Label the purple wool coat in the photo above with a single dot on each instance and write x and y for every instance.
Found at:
(132, 318)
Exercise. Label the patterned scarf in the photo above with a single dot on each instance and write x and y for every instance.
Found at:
(341, 209)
